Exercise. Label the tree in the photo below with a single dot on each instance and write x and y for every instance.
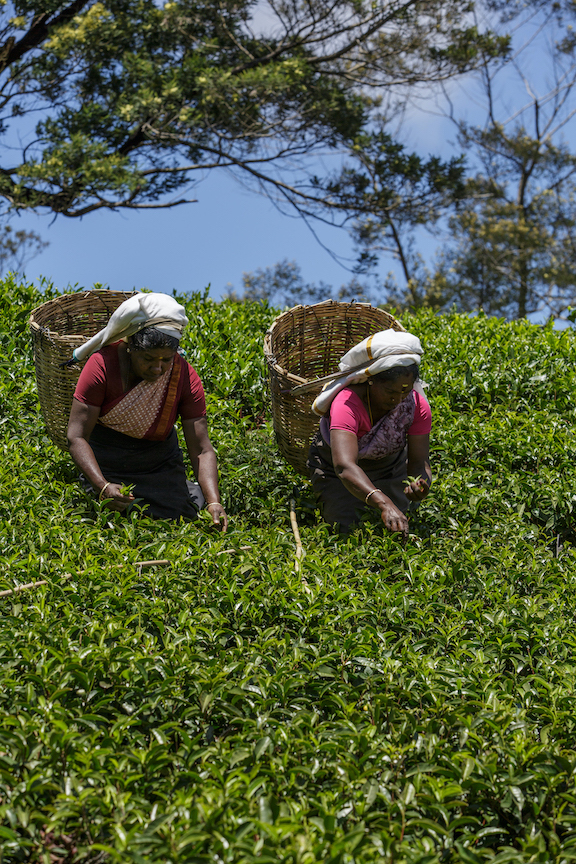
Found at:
(515, 237)
(135, 100)
(508, 199)
(283, 285)
(17, 248)
(386, 192)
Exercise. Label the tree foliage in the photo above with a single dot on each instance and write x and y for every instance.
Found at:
(133, 100)
(284, 285)
(507, 199)
(17, 248)
(388, 191)
(515, 236)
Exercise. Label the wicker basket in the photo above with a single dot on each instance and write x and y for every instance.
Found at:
(306, 343)
(58, 327)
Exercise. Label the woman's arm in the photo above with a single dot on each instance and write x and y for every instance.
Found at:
(204, 465)
(80, 425)
(418, 466)
(344, 446)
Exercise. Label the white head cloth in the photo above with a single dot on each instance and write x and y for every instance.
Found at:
(136, 313)
(378, 352)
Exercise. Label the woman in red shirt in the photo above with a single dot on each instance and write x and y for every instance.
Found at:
(128, 397)
(374, 434)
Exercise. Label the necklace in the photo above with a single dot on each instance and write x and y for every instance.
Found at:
(370, 407)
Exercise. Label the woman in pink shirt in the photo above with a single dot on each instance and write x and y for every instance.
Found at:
(374, 434)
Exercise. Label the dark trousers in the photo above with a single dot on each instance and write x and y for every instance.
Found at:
(156, 468)
(338, 505)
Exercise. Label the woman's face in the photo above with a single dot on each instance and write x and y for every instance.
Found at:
(152, 363)
(386, 395)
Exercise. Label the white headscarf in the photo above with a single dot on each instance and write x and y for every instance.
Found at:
(373, 355)
(136, 313)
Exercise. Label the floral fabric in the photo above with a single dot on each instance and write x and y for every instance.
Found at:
(389, 434)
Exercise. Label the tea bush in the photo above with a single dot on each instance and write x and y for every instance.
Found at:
(385, 704)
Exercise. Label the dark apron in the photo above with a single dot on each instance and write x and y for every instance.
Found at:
(156, 468)
(338, 505)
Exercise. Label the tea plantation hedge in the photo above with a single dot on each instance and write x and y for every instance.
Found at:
(383, 705)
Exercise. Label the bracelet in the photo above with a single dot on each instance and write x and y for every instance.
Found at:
(212, 504)
(369, 494)
(103, 489)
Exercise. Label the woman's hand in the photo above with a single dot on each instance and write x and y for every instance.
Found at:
(219, 517)
(417, 489)
(113, 498)
(393, 518)
(419, 473)
(203, 459)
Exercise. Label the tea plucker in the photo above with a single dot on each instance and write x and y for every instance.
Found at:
(374, 434)
(131, 391)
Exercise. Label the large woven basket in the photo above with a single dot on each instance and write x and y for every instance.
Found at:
(306, 343)
(58, 327)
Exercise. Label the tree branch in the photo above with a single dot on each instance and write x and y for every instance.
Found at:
(39, 31)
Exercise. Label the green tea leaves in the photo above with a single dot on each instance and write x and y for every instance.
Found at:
(386, 704)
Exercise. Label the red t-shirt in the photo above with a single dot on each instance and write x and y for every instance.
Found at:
(348, 412)
(100, 384)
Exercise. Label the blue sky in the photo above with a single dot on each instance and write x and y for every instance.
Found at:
(214, 241)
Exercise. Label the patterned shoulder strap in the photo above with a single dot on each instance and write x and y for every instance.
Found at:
(171, 395)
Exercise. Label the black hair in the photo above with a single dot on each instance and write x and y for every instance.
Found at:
(150, 338)
(398, 372)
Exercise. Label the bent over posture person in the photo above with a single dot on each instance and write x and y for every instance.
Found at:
(121, 429)
(374, 434)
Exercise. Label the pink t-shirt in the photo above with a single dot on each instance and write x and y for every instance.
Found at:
(349, 412)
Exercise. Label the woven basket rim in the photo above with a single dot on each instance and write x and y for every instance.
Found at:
(271, 359)
(56, 301)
